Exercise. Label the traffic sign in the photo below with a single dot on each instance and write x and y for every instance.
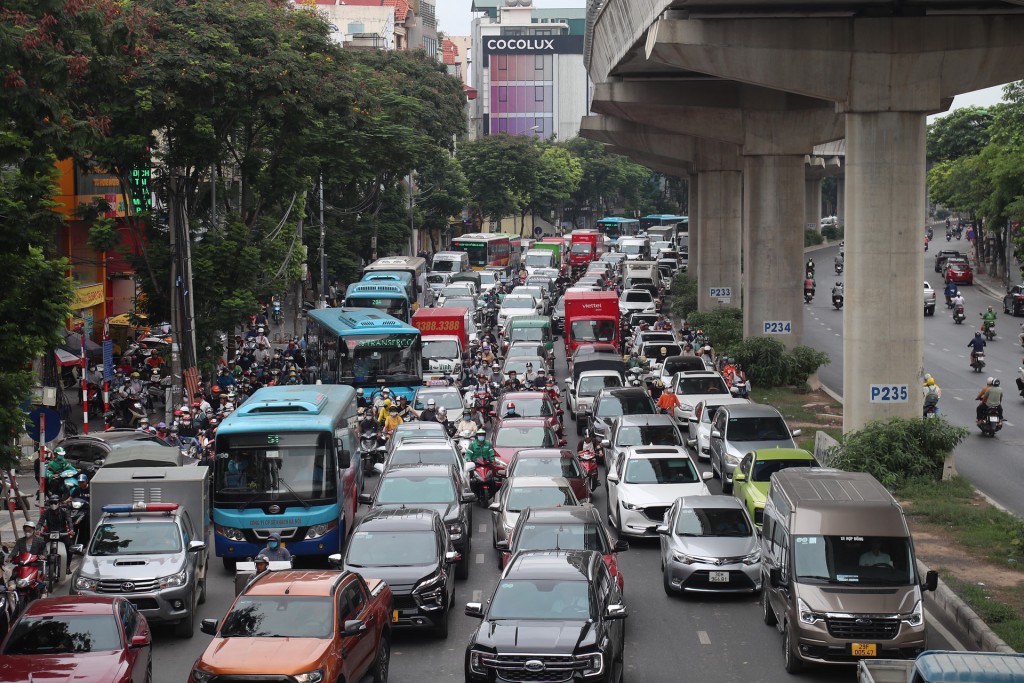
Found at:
(723, 294)
(778, 327)
(538, 231)
(52, 424)
(108, 359)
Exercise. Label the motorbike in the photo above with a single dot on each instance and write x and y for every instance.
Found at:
(990, 422)
(276, 311)
(837, 301)
(949, 235)
(978, 361)
(989, 330)
(56, 560)
(931, 411)
(483, 480)
(958, 314)
(839, 269)
(931, 233)
(808, 296)
(27, 576)
(367, 447)
(738, 387)
(588, 459)
(79, 504)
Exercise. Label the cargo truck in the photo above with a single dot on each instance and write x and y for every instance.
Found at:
(583, 246)
(590, 317)
(445, 339)
(937, 666)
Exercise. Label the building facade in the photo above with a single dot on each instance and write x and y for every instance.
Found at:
(528, 70)
(383, 24)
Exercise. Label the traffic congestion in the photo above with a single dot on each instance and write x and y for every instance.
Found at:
(479, 466)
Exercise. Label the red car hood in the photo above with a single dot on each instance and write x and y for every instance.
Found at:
(253, 655)
(505, 453)
(93, 666)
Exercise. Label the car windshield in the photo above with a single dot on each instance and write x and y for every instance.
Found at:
(524, 350)
(539, 260)
(457, 289)
(617, 406)
(707, 414)
(449, 400)
(418, 430)
(391, 549)
(414, 455)
(534, 407)
(129, 537)
(856, 560)
(591, 386)
(460, 302)
(280, 616)
(660, 350)
(640, 295)
(447, 349)
(688, 386)
(631, 248)
(525, 437)
(757, 429)
(518, 302)
(62, 635)
(593, 330)
(437, 279)
(445, 265)
(641, 470)
(260, 466)
(540, 599)
(545, 467)
(565, 536)
(521, 333)
(712, 522)
(764, 469)
(522, 497)
(650, 435)
(415, 490)
(488, 277)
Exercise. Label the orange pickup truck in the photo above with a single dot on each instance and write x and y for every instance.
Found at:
(307, 625)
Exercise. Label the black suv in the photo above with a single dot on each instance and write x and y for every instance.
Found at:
(613, 403)
(567, 592)
(410, 549)
(88, 451)
(432, 487)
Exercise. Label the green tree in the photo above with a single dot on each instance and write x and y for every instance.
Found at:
(610, 182)
(502, 172)
(960, 133)
(559, 174)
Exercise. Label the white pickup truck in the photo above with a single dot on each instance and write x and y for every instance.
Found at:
(939, 666)
(929, 299)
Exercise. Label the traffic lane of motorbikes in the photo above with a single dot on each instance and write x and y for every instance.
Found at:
(993, 465)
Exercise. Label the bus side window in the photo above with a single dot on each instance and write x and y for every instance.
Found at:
(347, 443)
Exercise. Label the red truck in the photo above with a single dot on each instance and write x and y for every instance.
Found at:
(444, 339)
(590, 317)
(583, 246)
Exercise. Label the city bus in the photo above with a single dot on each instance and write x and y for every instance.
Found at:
(656, 219)
(515, 251)
(493, 249)
(411, 271)
(615, 227)
(284, 464)
(388, 296)
(363, 348)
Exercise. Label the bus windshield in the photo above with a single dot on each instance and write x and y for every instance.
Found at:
(539, 260)
(379, 358)
(477, 252)
(396, 306)
(261, 466)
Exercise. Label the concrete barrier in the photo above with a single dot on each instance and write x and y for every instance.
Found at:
(824, 448)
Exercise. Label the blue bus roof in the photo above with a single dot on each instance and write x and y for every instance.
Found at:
(309, 407)
(392, 275)
(665, 217)
(977, 667)
(618, 219)
(345, 321)
(369, 289)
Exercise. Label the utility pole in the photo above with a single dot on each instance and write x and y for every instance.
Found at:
(323, 248)
(297, 290)
(176, 327)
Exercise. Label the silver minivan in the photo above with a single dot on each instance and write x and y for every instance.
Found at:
(739, 429)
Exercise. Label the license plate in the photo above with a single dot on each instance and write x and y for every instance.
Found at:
(394, 616)
(719, 577)
(864, 649)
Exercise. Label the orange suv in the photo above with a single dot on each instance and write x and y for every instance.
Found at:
(308, 626)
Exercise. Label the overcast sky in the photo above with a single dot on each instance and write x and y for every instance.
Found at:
(454, 19)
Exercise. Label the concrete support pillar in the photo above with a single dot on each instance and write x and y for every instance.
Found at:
(885, 169)
(693, 204)
(773, 238)
(721, 221)
(841, 199)
(812, 206)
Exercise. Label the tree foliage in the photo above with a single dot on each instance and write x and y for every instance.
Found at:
(683, 295)
(961, 133)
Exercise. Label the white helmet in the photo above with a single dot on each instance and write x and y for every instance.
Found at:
(990, 380)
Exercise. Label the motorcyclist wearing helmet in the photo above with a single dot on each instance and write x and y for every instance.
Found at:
(487, 355)
(662, 323)
(988, 319)
(655, 388)
(977, 345)
(55, 518)
(636, 361)
(512, 383)
(990, 396)
(429, 414)
(29, 543)
(932, 394)
(392, 420)
(496, 377)
(668, 402)
(480, 448)
(467, 427)
(442, 419)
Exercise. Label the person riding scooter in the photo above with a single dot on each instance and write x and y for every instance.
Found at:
(977, 345)
(990, 397)
(950, 292)
(988, 319)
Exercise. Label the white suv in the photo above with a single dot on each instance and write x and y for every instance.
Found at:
(694, 386)
(645, 482)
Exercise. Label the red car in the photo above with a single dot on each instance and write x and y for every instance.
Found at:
(534, 404)
(86, 638)
(513, 434)
(551, 462)
(959, 272)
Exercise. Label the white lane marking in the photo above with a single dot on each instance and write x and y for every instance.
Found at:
(478, 595)
(1007, 424)
(943, 631)
(837, 334)
(931, 343)
(945, 350)
(961, 356)
(998, 370)
(483, 528)
(479, 558)
(829, 329)
(703, 637)
(957, 398)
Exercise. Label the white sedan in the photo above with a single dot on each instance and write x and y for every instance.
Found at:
(637, 301)
(517, 304)
(645, 482)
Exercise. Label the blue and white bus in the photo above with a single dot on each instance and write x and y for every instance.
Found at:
(411, 271)
(388, 296)
(615, 227)
(363, 348)
(284, 464)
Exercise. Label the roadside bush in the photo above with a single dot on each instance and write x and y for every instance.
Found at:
(723, 326)
(898, 451)
(768, 364)
(832, 232)
(802, 362)
(684, 295)
(812, 237)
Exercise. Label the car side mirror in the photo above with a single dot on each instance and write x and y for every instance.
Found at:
(353, 627)
(208, 626)
(501, 545)
(366, 498)
(451, 557)
(77, 549)
(378, 467)
(616, 611)
(494, 506)
(196, 546)
(613, 477)
(715, 434)
(335, 560)
(797, 432)
(931, 580)
(468, 497)
(621, 546)
(606, 443)
(662, 529)
(345, 458)
(143, 640)
(475, 609)
(775, 577)
(738, 476)
(468, 466)
(707, 476)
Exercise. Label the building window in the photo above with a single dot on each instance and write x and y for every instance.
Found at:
(538, 62)
(356, 27)
(502, 93)
(538, 93)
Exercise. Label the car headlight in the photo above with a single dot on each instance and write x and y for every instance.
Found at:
(82, 583)
(431, 581)
(752, 558)
(732, 459)
(683, 558)
(476, 665)
(310, 677)
(594, 663)
(320, 530)
(807, 615)
(200, 676)
(174, 580)
(915, 618)
(686, 407)
(230, 533)
(454, 529)
(630, 506)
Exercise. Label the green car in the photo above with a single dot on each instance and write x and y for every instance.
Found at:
(754, 474)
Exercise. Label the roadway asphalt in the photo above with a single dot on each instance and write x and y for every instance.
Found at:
(993, 465)
(699, 638)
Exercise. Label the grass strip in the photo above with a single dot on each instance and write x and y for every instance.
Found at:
(1002, 618)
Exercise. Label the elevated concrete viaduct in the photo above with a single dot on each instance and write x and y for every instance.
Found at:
(775, 79)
